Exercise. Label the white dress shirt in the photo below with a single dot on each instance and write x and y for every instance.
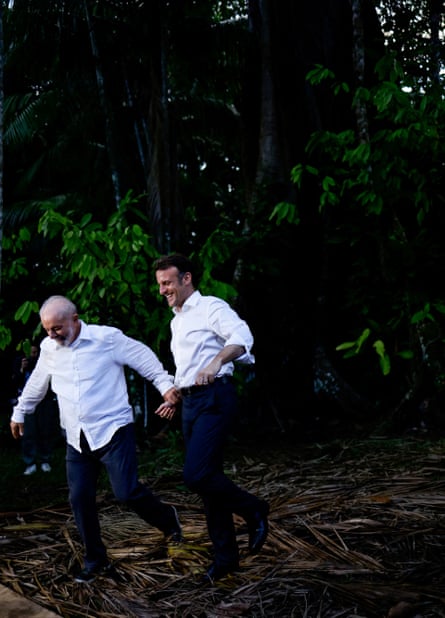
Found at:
(203, 327)
(88, 378)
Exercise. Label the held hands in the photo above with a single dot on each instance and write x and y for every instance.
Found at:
(172, 396)
(16, 429)
(167, 409)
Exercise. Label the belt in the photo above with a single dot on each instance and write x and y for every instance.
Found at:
(195, 388)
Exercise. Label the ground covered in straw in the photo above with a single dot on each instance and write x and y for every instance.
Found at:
(356, 529)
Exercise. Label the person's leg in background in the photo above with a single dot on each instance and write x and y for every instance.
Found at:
(47, 424)
(29, 444)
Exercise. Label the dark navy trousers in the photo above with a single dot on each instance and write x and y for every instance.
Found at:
(120, 461)
(208, 417)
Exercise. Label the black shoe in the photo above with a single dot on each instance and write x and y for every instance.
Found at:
(258, 528)
(88, 575)
(174, 534)
(216, 572)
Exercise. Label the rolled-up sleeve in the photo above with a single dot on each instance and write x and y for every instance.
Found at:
(231, 328)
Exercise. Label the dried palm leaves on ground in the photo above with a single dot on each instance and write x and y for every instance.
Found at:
(356, 529)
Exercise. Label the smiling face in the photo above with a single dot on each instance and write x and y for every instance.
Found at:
(62, 326)
(175, 286)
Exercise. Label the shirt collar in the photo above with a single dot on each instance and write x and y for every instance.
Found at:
(191, 301)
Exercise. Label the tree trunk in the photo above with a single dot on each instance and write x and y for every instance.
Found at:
(1, 144)
(111, 149)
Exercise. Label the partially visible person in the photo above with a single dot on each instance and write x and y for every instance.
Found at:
(207, 337)
(39, 428)
(85, 364)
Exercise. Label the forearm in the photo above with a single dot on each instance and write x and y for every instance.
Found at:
(226, 355)
(229, 353)
(33, 392)
(144, 361)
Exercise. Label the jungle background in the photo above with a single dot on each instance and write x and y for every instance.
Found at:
(296, 151)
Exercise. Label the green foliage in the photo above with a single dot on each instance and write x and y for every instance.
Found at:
(216, 250)
(108, 263)
(5, 336)
(423, 314)
(322, 74)
(106, 269)
(382, 193)
(285, 211)
(353, 348)
(23, 116)
(24, 312)
(375, 173)
(385, 363)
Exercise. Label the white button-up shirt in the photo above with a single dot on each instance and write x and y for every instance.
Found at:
(88, 378)
(200, 330)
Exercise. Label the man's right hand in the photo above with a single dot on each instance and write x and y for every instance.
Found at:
(17, 429)
(172, 396)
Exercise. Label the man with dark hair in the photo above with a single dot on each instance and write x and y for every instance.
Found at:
(207, 337)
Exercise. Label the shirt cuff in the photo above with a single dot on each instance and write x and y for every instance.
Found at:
(18, 417)
(163, 387)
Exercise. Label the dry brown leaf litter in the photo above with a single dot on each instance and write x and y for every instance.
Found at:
(349, 536)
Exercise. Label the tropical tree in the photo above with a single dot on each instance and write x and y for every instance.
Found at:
(272, 140)
(1, 141)
(379, 192)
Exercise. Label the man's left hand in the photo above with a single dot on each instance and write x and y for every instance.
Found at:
(166, 410)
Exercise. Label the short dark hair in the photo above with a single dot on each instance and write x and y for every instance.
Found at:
(181, 262)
